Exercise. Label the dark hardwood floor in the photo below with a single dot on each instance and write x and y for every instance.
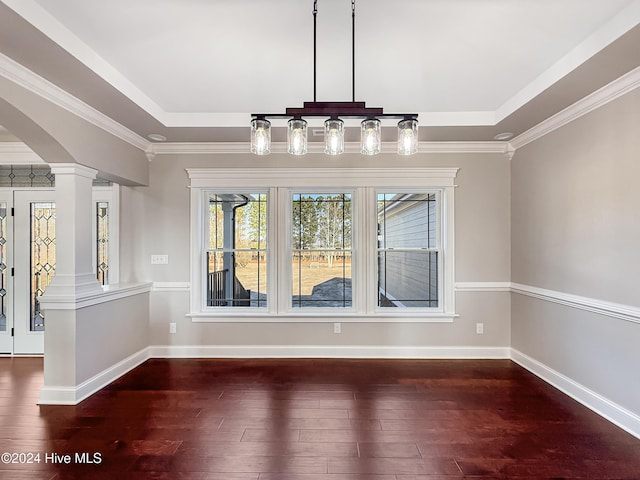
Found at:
(309, 420)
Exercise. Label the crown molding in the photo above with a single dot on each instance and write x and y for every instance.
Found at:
(597, 99)
(318, 147)
(17, 153)
(29, 80)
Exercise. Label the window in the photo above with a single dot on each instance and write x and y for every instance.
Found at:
(408, 250)
(102, 242)
(365, 245)
(236, 260)
(321, 253)
(105, 233)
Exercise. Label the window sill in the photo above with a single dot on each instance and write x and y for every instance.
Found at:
(320, 317)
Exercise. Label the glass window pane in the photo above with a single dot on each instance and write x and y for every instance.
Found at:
(43, 257)
(321, 250)
(322, 278)
(236, 258)
(407, 250)
(408, 279)
(102, 247)
(407, 220)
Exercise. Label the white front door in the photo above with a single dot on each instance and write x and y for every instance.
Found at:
(34, 265)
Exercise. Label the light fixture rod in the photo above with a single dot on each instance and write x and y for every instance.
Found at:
(315, 15)
(370, 132)
(353, 50)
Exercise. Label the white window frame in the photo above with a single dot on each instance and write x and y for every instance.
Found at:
(287, 277)
(439, 248)
(204, 308)
(364, 184)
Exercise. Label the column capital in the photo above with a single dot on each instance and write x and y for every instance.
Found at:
(73, 169)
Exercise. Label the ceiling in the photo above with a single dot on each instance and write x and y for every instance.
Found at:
(195, 70)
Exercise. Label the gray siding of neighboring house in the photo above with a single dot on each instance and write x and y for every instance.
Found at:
(410, 278)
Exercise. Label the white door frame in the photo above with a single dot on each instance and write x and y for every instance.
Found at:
(10, 341)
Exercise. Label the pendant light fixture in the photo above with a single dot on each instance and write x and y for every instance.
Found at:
(333, 136)
(297, 136)
(407, 136)
(260, 136)
(370, 128)
(370, 136)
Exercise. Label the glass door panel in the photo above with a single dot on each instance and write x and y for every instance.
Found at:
(6, 340)
(43, 257)
(34, 261)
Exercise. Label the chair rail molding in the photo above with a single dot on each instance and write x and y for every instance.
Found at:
(483, 286)
(601, 307)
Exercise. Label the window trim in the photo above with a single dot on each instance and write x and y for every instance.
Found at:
(287, 307)
(363, 183)
(441, 248)
(206, 248)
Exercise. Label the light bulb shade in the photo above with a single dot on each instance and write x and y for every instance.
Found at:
(297, 136)
(407, 136)
(370, 136)
(260, 136)
(333, 136)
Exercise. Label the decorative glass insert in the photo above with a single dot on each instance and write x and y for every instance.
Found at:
(408, 250)
(3, 267)
(322, 250)
(236, 257)
(43, 256)
(26, 176)
(102, 244)
(33, 176)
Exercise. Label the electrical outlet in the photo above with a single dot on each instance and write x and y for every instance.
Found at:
(159, 259)
(172, 327)
(337, 327)
(479, 328)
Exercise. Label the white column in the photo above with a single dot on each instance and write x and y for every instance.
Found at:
(74, 275)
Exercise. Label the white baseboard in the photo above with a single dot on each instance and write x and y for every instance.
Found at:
(604, 407)
(74, 395)
(325, 351)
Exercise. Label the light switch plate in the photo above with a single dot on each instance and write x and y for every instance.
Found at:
(159, 259)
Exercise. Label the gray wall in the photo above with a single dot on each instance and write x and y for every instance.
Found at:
(110, 332)
(576, 230)
(155, 220)
(83, 343)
